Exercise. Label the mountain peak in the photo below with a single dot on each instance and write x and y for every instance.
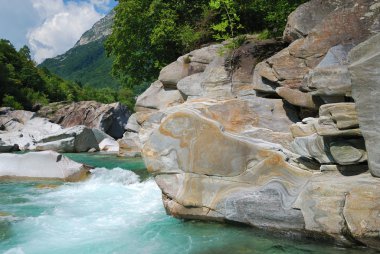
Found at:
(99, 30)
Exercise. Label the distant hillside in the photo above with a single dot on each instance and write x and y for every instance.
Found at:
(86, 62)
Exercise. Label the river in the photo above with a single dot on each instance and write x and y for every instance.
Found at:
(119, 210)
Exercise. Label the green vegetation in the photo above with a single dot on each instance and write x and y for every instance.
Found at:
(149, 34)
(86, 64)
(23, 85)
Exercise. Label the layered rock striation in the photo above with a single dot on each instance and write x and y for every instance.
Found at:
(110, 118)
(276, 137)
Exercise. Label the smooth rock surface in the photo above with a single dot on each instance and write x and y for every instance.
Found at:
(210, 174)
(330, 23)
(157, 97)
(132, 125)
(342, 207)
(297, 98)
(331, 77)
(184, 154)
(84, 139)
(46, 164)
(109, 145)
(191, 85)
(129, 145)
(365, 75)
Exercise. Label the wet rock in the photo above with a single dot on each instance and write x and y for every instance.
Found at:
(47, 164)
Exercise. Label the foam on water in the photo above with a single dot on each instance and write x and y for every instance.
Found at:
(79, 217)
(113, 212)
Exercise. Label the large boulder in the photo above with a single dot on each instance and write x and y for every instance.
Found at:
(365, 75)
(41, 165)
(189, 64)
(26, 135)
(207, 173)
(109, 145)
(130, 145)
(110, 118)
(230, 75)
(330, 77)
(75, 139)
(342, 207)
(313, 29)
(36, 133)
(14, 120)
(260, 118)
(327, 150)
(157, 97)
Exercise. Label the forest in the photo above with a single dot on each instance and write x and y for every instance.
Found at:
(147, 35)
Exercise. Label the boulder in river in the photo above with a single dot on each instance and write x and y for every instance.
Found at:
(41, 165)
(110, 118)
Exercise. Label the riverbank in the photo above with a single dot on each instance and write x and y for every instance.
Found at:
(120, 211)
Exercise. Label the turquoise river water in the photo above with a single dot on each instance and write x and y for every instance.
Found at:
(119, 210)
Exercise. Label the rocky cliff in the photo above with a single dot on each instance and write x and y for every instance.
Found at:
(274, 135)
(87, 62)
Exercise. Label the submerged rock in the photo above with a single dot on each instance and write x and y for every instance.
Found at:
(41, 165)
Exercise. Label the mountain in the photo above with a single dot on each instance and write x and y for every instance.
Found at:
(87, 62)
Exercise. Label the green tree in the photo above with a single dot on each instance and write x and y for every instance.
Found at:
(24, 85)
(229, 23)
(25, 52)
(10, 101)
(148, 34)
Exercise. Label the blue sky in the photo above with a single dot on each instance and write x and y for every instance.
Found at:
(49, 27)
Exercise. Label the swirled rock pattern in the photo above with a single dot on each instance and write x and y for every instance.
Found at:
(281, 138)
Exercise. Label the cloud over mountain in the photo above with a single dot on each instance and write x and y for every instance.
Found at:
(49, 27)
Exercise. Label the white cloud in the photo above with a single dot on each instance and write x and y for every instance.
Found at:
(16, 17)
(49, 27)
(63, 25)
(101, 4)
